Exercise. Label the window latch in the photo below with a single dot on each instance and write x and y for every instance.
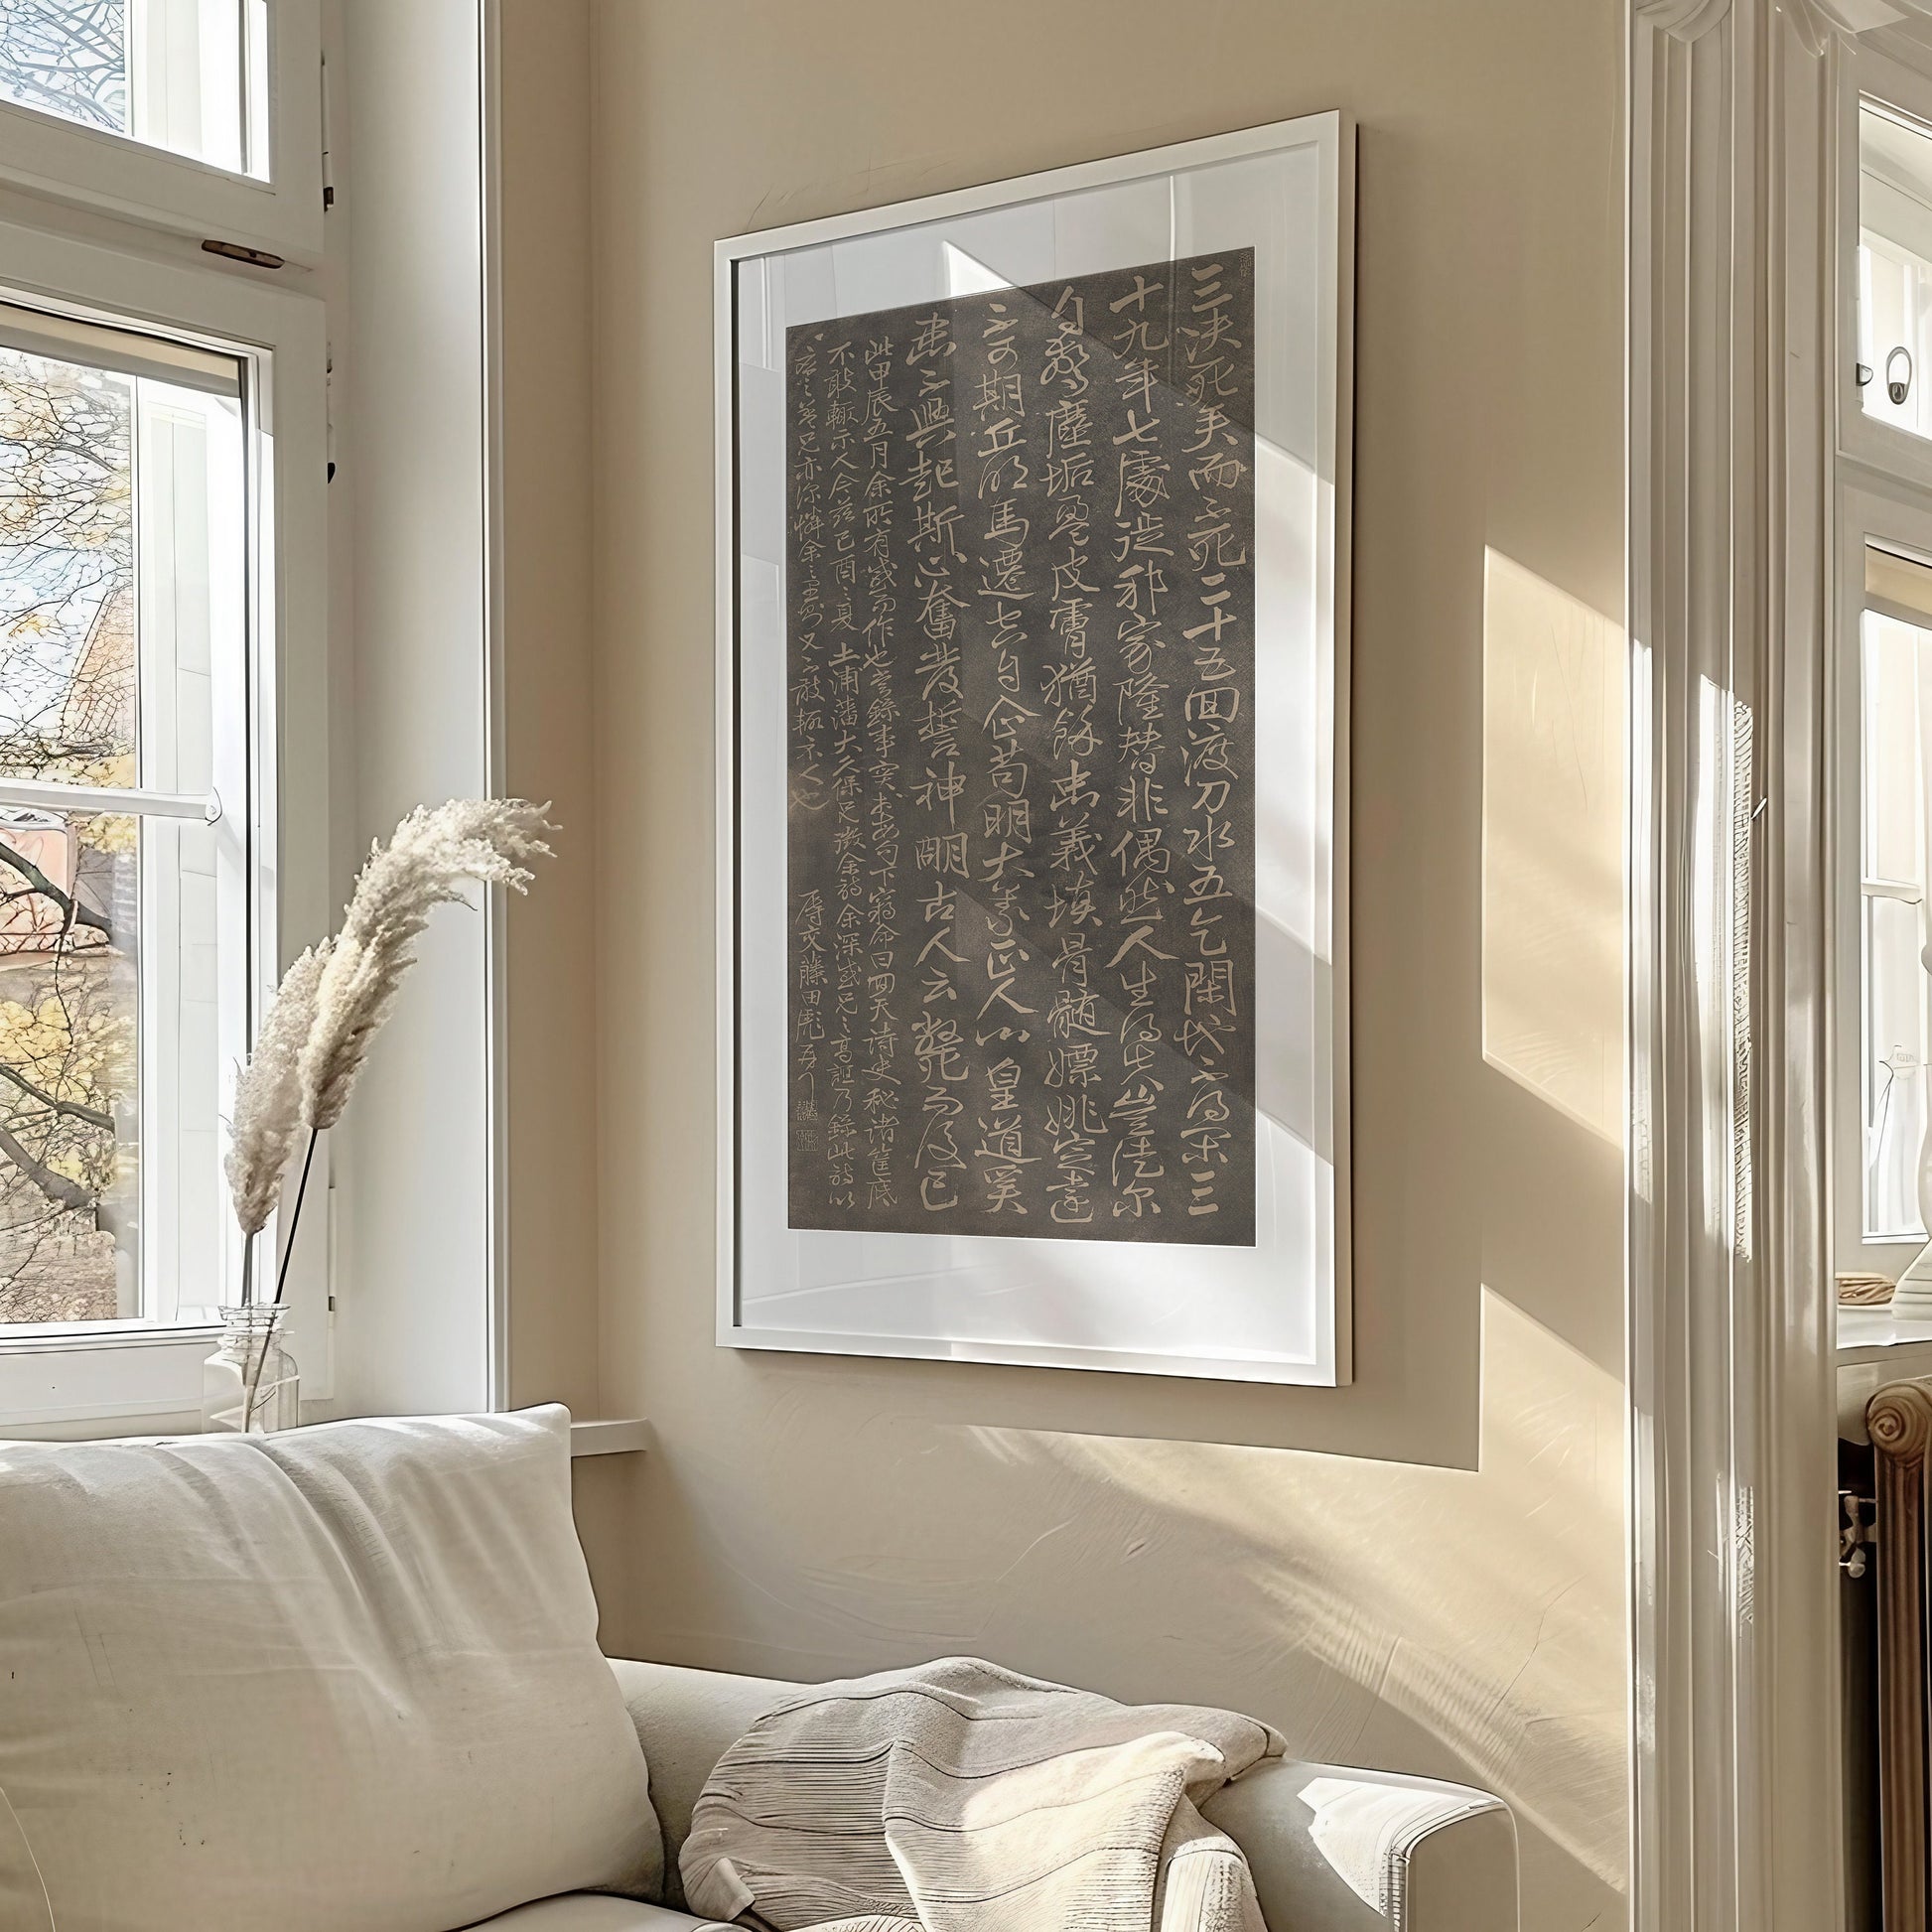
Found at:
(233, 252)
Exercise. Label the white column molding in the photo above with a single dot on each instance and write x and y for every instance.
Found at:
(1734, 1800)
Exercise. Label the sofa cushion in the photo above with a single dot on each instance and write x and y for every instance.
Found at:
(342, 1677)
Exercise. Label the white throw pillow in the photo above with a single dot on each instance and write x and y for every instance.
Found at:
(342, 1678)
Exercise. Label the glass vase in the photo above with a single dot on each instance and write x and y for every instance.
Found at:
(249, 1385)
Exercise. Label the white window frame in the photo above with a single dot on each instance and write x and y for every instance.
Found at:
(115, 1378)
(1873, 509)
(281, 214)
(1883, 498)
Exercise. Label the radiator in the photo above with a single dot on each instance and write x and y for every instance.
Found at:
(1899, 1419)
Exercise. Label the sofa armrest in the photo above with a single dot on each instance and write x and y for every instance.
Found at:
(1336, 1849)
(1331, 1849)
(686, 1721)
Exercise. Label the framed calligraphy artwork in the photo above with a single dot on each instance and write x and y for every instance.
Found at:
(1033, 694)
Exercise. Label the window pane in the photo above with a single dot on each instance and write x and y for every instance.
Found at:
(1894, 1069)
(123, 938)
(1891, 814)
(1895, 268)
(188, 507)
(171, 73)
(70, 1167)
(66, 572)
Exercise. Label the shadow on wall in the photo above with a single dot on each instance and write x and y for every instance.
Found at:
(1464, 1623)
(1469, 1623)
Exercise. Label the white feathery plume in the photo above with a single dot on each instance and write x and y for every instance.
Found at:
(268, 1096)
(432, 850)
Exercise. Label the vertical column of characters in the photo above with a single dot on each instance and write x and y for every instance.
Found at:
(1140, 949)
(845, 473)
(846, 463)
(998, 483)
(1214, 373)
(940, 845)
(1073, 1114)
(880, 645)
(995, 477)
(809, 788)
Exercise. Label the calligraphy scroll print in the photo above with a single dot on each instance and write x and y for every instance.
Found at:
(1019, 616)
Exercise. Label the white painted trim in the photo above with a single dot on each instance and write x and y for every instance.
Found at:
(1734, 1802)
(725, 799)
(413, 1326)
(496, 765)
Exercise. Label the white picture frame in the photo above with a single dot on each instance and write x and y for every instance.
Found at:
(1274, 1310)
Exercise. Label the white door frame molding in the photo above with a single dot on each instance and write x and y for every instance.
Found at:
(1735, 1805)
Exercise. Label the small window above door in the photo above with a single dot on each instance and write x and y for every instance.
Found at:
(1894, 282)
(178, 74)
(202, 116)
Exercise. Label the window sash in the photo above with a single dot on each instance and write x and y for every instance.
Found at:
(51, 1379)
(280, 213)
(188, 947)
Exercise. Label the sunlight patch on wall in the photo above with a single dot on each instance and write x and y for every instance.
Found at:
(1553, 760)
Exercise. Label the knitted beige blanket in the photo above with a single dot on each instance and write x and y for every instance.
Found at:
(960, 1797)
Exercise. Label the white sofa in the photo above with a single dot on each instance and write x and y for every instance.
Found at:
(1331, 1849)
(347, 1680)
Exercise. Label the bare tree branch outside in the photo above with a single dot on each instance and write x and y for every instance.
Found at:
(66, 58)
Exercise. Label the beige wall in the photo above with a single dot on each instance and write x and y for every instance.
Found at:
(1425, 1570)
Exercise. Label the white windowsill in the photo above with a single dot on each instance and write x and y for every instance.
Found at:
(616, 1436)
(1871, 1335)
(1875, 1347)
(113, 1379)
(105, 1335)
(74, 1422)
(107, 1379)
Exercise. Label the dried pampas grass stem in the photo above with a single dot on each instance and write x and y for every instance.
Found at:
(316, 1035)
(424, 865)
(268, 1096)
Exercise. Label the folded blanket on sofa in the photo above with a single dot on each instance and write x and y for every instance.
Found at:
(960, 1797)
